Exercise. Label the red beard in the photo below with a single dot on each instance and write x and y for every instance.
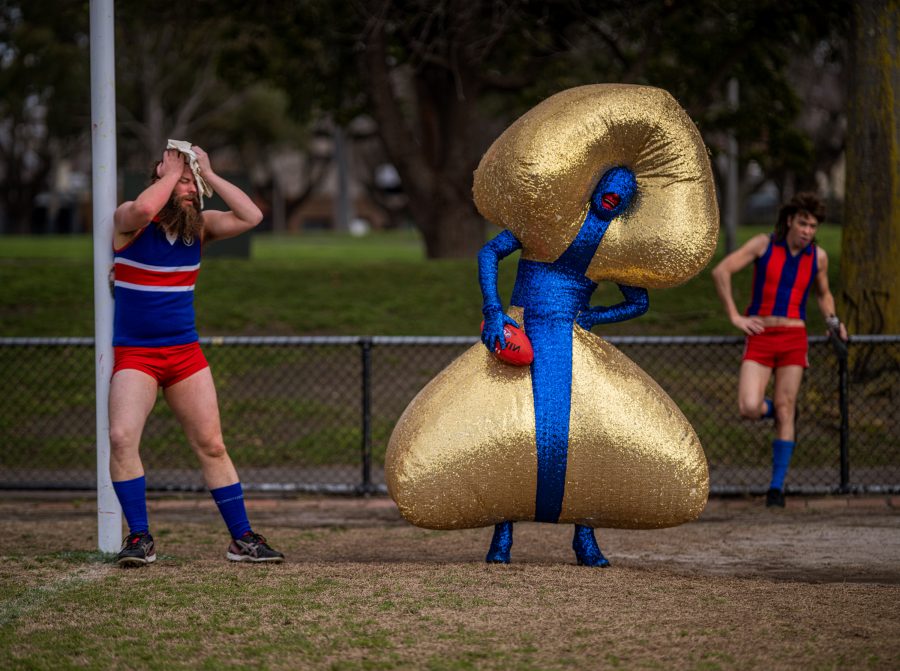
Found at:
(182, 218)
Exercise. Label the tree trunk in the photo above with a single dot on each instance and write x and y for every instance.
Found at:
(451, 230)
(869, 299)
(430, 145)
(19, 196)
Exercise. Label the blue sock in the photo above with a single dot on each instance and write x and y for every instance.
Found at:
(770, 409)
(781, 458)
(230, 500)
(132, 495)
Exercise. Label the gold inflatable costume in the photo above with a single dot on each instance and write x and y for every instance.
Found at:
(471, 449)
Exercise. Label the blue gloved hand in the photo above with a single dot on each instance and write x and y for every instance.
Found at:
(492, 332)
(491, 307)
(635, 304)
(599, 314)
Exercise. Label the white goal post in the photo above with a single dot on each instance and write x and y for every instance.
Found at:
(104, 181)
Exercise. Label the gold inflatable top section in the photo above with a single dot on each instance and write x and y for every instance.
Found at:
(537, 178)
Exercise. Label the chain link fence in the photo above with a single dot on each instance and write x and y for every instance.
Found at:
(316, 413)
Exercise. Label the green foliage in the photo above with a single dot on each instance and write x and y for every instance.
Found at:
(256, 75)
(44, 69)
(168, 84)
(692, 49)
(305, 49)
(443, 79)
(43, 105)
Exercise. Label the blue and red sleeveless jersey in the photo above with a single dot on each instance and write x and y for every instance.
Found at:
(154, 290)
(781, 281)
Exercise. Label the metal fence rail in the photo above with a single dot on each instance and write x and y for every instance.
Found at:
(315, 413)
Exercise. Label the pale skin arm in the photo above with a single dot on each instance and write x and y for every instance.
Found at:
(731, 264)
(243, 214)
(823, 292)
(134, 214)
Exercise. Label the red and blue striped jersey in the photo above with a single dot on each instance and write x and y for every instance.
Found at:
(781, 281)
(154, 290)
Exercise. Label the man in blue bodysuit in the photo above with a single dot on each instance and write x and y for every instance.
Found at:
(555, 296)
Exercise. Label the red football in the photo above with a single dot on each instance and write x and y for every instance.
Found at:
(518, 350)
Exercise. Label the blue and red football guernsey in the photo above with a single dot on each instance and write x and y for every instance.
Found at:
(154, 290)
(781, 281)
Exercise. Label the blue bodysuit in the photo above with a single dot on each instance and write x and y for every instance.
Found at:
(555, 296)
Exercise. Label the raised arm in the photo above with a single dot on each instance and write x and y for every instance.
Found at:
(636, 303)
(491, 307)
(243, 214)
(134, 214)
(721, 274)
(824, 297)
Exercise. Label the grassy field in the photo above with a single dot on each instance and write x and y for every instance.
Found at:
(327, 284)
(742, 588)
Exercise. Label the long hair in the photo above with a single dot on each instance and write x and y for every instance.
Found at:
(186, 223)
(804, 201)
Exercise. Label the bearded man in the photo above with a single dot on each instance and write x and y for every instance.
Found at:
(157, 242)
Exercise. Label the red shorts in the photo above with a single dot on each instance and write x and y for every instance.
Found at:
(166, 365)
(778, 346)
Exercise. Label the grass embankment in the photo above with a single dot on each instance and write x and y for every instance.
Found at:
(328, 284)
(304, 285)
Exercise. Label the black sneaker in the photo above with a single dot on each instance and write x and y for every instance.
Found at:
(138, 549)
(253, 547)
(774, 498)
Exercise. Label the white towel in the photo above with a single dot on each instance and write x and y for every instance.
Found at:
(184, 147)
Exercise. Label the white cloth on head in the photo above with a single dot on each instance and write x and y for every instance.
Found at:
(184, 147)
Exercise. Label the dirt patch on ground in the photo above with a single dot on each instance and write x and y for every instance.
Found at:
(815, 585)
(816, 540)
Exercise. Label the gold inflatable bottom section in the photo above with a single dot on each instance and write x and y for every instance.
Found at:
(463, 453)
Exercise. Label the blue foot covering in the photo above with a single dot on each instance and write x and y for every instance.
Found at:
(586, 549)
(132, 495)
(230, 500)
(501, 544)
(781, 459)
(770, 409)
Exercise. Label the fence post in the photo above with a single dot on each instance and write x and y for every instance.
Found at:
(365, 344)
(845, 420)
(842, 352)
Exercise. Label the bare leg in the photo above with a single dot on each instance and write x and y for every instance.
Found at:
(194, 402)
(132, 395)
(787, 386)
(752, 389)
